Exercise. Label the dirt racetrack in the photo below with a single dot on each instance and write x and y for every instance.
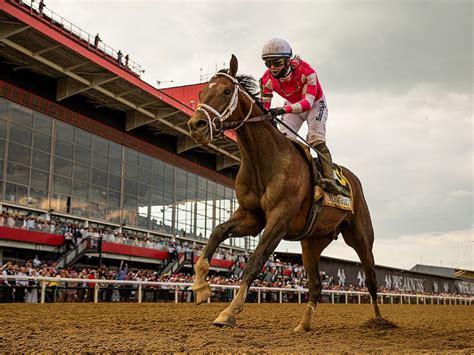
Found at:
(260, 328)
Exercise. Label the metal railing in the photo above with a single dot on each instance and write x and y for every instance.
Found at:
(77, 33)
(74, 253)
(178, 287)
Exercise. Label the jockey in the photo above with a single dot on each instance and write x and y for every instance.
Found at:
(296, 81)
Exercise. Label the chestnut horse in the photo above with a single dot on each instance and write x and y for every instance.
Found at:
(274, 189)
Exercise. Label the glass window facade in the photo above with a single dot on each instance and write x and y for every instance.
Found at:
(50, 165)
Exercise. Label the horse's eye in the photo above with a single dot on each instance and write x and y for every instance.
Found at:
(227, 91)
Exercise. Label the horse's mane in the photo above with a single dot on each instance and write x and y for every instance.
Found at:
(250, 85)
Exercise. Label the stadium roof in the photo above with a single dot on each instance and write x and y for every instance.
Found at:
(443, 271)
(49, 45)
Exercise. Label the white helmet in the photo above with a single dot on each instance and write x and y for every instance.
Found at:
(276, 48)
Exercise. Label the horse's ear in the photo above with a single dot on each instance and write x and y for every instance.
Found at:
(234, 65)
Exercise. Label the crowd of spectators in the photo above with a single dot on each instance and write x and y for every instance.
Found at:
(83, 291)
(75, 232)
(275, 273)
(29, 222)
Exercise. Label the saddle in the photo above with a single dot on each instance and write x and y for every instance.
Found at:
(342, 200)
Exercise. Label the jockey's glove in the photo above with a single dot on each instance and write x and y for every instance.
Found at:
(277, 111)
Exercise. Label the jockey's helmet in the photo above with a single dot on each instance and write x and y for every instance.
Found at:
(276, 48)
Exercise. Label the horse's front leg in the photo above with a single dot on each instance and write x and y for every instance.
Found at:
(312, 250)
(241, 223)
(275, 230)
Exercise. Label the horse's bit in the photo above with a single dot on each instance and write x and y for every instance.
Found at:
(218, 123)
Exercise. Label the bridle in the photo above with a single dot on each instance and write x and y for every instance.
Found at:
(218, 123)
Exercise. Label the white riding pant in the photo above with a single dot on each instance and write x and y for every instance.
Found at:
(316, 118)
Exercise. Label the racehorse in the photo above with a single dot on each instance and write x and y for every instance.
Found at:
(274, 188)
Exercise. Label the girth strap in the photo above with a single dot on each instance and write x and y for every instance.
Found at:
(317, 205)
(313, 218)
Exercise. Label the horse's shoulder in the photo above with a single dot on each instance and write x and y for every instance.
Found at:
(247, 198)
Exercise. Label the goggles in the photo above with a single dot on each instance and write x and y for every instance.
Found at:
(275, 62)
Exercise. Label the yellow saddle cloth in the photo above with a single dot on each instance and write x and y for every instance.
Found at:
(343, 199)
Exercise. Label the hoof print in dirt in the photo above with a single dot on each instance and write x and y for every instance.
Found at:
(380, 324)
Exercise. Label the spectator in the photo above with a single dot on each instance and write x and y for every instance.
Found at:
(62, 287)
(77, 236)
(97, 39)
(172, 255)
(71, 289)
(32, 290)
(30, 223)
(21, 286)
(52, 286)
(119, 57)
(7, 285)
(68, 242)
(128, 288)
(91, 286)
(81, 291)
(52, 227)
(41, 7)
(10, 221)
(36, 262)
(19, 221)
(126, 60)
(3, 219)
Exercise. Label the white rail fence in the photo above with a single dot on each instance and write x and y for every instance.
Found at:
(388, 298)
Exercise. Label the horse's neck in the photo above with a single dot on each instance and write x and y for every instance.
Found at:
(260, 144)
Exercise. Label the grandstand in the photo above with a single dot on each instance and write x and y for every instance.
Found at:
(85, 142)
(97, 166)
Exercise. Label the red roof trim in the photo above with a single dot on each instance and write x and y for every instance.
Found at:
(55, 33)
(183, 86)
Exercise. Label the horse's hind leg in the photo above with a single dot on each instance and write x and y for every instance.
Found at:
(360, 236)
(241, 223)
(312, 250)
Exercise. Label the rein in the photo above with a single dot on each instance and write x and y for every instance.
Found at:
(236, 124)
(218, 123)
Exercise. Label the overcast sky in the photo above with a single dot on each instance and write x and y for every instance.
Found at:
(397, 76)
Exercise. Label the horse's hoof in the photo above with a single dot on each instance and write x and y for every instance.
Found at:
(224, 320)
(378, 315)
(202, 294)
(300, 329)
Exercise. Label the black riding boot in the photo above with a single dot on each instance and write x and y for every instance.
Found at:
(328, 183)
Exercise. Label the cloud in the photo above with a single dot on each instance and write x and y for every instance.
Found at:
(391, 45)
(357, 46)
(413, 153)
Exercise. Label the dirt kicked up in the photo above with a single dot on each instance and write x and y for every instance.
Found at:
(260, 328)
